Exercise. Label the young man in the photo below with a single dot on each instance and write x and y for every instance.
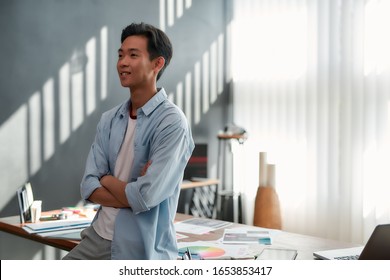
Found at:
(136, 163)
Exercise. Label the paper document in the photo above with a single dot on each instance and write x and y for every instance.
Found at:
(244, 236)
(200, 226)
(180, 236)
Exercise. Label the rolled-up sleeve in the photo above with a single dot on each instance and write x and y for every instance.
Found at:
(96, 164)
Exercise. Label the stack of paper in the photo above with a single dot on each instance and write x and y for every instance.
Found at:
(59, 228)
(200, 226)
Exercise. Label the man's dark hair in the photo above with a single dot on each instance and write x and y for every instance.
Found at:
(158, 42)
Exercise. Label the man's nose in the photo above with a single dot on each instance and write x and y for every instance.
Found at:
(124, 61)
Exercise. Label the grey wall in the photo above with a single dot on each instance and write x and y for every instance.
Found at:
(45, 141)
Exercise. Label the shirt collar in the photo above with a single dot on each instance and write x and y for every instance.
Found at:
(149, 107)
(153, 103)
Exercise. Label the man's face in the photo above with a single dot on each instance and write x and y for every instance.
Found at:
(134, 66)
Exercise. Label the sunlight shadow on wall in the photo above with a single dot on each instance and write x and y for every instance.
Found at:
(188, 94)
(29, 136)
(64, 97)
(199, 88)
(48, 119)
(34, 119)
(77, 65)
(103, 62)
(168, 13)
(197, 93)
(202, 85)
(90, 76)
(13, 164)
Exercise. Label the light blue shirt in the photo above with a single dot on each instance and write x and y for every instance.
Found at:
(162, 136)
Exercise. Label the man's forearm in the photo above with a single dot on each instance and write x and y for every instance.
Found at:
(116, 187)
(105, 198)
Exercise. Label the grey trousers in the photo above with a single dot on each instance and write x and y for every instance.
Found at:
(91, 247)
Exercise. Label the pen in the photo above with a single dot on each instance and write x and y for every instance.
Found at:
(189, 254)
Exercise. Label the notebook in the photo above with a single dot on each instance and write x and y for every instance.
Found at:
(377, 248)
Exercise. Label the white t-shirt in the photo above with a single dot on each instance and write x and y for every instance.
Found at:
(104, 224)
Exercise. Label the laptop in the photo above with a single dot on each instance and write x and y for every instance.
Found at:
(377, 248)
(25, 200)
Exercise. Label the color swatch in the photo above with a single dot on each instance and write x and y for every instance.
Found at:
(203, 251)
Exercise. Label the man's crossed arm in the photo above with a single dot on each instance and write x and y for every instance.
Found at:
(112, 191)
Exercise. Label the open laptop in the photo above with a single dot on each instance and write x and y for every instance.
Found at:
(25, 200)
(377, 248)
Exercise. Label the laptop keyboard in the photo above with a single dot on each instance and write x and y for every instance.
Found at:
(354, 257)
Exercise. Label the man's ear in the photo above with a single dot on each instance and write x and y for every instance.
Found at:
(159, 63)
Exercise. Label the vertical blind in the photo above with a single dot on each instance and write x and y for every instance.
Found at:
(311, 85)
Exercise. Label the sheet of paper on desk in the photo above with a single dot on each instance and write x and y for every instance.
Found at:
(200, 226)
(245, 236)
(180, 236)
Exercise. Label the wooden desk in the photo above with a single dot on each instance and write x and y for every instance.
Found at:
(12, 225)
(305, 245)
(196, 184)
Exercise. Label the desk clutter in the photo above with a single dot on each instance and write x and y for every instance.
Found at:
(236, 243)
(66, 223)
